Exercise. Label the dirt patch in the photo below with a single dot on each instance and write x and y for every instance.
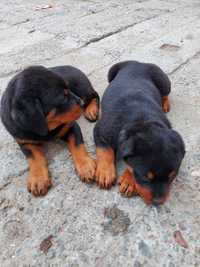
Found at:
(116, 220)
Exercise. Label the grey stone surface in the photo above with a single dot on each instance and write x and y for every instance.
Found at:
(89, 226)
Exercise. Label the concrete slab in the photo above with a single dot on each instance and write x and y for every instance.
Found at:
(87, 226)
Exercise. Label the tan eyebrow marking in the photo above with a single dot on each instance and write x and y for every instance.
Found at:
(151, 175)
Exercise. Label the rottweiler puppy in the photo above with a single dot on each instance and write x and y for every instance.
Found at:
(41, 104)
(133, 122)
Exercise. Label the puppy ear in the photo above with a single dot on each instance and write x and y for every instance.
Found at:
(177, 142)
(133, 143)
(29, 116)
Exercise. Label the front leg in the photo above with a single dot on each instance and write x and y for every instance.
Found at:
(106, 171)
(84, 164)
(127, 184)
(39, 181)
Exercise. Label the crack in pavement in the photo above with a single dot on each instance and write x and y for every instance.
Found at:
(96, 39)
(184, 63)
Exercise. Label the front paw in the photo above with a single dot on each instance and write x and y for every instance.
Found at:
(105, 175)
(38, 186)
(127, 185)
(86, 169)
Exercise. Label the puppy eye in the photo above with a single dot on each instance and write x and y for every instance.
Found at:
(150, 175)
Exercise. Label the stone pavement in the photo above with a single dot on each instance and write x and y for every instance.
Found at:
(86, 226)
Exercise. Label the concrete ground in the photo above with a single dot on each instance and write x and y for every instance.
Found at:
(77, 224)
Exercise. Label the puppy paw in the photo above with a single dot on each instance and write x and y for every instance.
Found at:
(38, 186)
(105, 175)
(165, 104)
(91, 112)
(127, 185)
(86, 168)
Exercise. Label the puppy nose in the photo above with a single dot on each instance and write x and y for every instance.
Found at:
(158, 201)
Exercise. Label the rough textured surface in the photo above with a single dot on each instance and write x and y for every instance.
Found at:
(78, 224)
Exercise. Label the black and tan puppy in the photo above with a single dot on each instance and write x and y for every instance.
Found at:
(133, 121)
(41, 104)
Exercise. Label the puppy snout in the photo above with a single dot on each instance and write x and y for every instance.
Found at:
(158, 201)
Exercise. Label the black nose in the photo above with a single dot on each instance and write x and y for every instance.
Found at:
(157, 201)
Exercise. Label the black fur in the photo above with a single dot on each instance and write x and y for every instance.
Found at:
(34, 92)
(78, 83)
(134, 123)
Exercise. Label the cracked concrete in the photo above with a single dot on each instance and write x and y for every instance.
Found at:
(79, 224)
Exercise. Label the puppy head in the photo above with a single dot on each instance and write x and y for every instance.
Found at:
(154, 154)
(42, 101)
(117, 67)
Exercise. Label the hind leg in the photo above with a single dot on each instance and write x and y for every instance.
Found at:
(91, 111)
(163, 84)
(81, 86)
(166, 104)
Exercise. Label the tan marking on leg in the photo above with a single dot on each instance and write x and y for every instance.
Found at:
(38, 181)
(106, 172)
(63, 131)
(166, 104)
(91, 112)
(127, 184)
(84, 164)
(27, 141)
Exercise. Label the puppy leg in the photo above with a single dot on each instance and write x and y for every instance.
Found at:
(81, 86)
(106, 172)
(127, 184)
(38, 181)
(165, 104)
(84, 164)
(91, 111)
(160, 79)
(163, 84)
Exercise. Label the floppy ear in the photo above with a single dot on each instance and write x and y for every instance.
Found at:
(28, 115)
(177, 141)
(126, 144)
(133, 143)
